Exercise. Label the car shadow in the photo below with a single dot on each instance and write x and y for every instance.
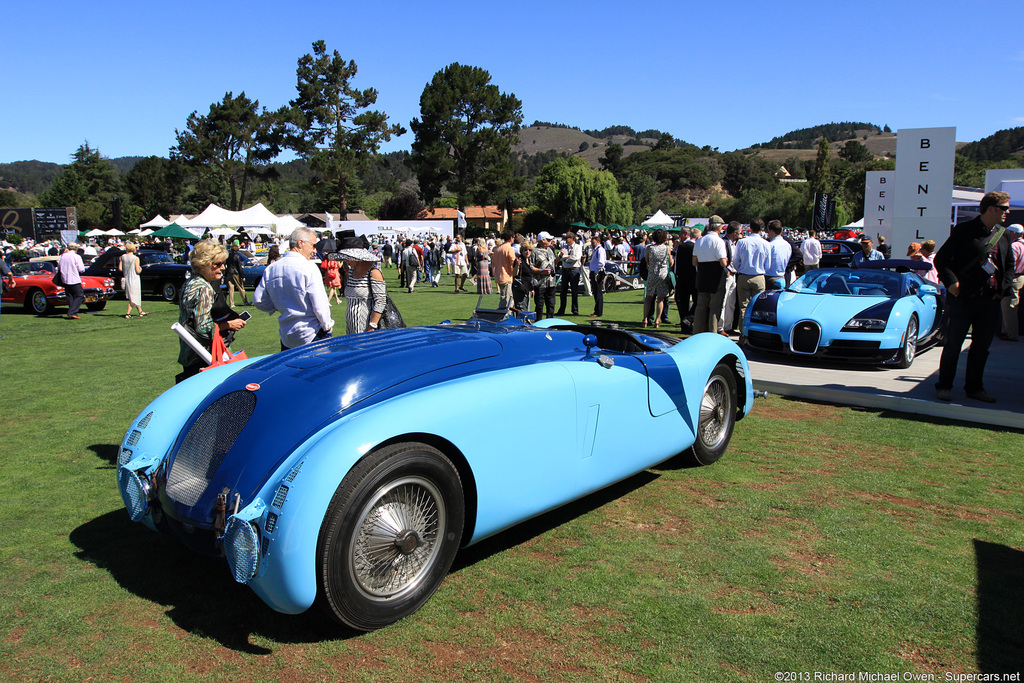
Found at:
(198, 593)
(106, 452)
(1000, 643)
(553, 519)
(199, 596)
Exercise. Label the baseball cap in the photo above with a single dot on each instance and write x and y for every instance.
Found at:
(1016, 227)
(544, 235)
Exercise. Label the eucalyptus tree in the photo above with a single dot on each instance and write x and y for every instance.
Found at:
(464, 136)
(329, 122)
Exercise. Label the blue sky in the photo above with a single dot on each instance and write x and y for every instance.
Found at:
(125, 75)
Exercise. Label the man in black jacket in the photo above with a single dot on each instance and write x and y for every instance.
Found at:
(972, 278)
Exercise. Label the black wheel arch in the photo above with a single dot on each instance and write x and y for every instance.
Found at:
(458, 459)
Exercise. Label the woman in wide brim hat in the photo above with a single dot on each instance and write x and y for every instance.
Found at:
(365, 290)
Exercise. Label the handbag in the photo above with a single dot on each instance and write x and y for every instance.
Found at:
(57, 279)
(391, 318)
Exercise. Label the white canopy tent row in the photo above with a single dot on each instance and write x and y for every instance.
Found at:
(257, 219)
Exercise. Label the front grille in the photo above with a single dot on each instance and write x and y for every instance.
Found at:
(133, 438)
(806, 335)
(854, 348)
(206, 443)
(765, 340)
(144, 422)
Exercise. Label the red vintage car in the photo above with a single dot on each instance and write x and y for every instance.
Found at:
(34, 289)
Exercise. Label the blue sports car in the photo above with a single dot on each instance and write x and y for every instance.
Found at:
(878, 313)
(398, 449)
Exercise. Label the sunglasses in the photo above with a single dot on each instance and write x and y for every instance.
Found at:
(1003, 208)
(218, 264)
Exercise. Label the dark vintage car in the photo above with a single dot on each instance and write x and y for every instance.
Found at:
(160, 274)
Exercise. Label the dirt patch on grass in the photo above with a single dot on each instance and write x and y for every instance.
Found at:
(949, 511)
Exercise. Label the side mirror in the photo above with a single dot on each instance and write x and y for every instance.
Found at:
(928, 289)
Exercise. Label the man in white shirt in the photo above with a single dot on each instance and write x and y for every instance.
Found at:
(293, 286)
(750, 261)
(810, 249)
(710, 258)
(780, 251)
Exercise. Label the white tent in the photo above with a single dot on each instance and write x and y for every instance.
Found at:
(855, 224)
(659, 220)
(288, 223)
(157, 222)
(180, 220)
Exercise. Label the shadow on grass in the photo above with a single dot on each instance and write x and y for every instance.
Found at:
(531, 528)
(202, 598)
(106, 452)
(1000, 608)
(199, 592)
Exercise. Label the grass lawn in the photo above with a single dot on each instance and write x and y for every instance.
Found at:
(828, 539)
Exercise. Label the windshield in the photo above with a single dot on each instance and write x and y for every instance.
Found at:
(156, 257)
(30, 268)
(848, 282)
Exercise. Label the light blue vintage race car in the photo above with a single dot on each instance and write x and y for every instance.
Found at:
(881, 312)
(349, 472)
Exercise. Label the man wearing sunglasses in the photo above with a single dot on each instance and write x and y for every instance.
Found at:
(293, 286)
(972, 278)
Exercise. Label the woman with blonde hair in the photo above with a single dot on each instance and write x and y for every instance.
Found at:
(131, 270)
(483, 267)
(202, 308)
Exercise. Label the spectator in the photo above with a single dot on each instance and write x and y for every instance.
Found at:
(867, 253)
(203, 310)
(686, 276)
(810, 250)
(365, 290)
(710, 258)
(1011, 256)
(595, 270)
(780, 251)
(570, 257)
(71, 268)
(233, 275)
(131, 269)
(972, 282)
(293, 287)
(750, 261)
(504, 260)
(659, 265)
(542, 260)
(460, 263)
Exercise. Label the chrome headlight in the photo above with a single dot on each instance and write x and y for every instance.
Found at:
(864, 325)
(242, 548)
(766, 317)
(135, 491)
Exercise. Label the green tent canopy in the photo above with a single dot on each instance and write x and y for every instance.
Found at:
(579, 224)
(174, 230)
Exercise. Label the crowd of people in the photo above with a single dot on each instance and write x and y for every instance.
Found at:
(712, 275)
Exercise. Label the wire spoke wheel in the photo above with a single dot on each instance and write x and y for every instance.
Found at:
(715, 417)
(396, 538)
(390, 535)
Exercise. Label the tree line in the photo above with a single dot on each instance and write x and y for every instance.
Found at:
(461, 155)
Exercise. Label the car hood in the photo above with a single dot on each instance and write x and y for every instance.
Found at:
(827, 309)
(241, 432)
